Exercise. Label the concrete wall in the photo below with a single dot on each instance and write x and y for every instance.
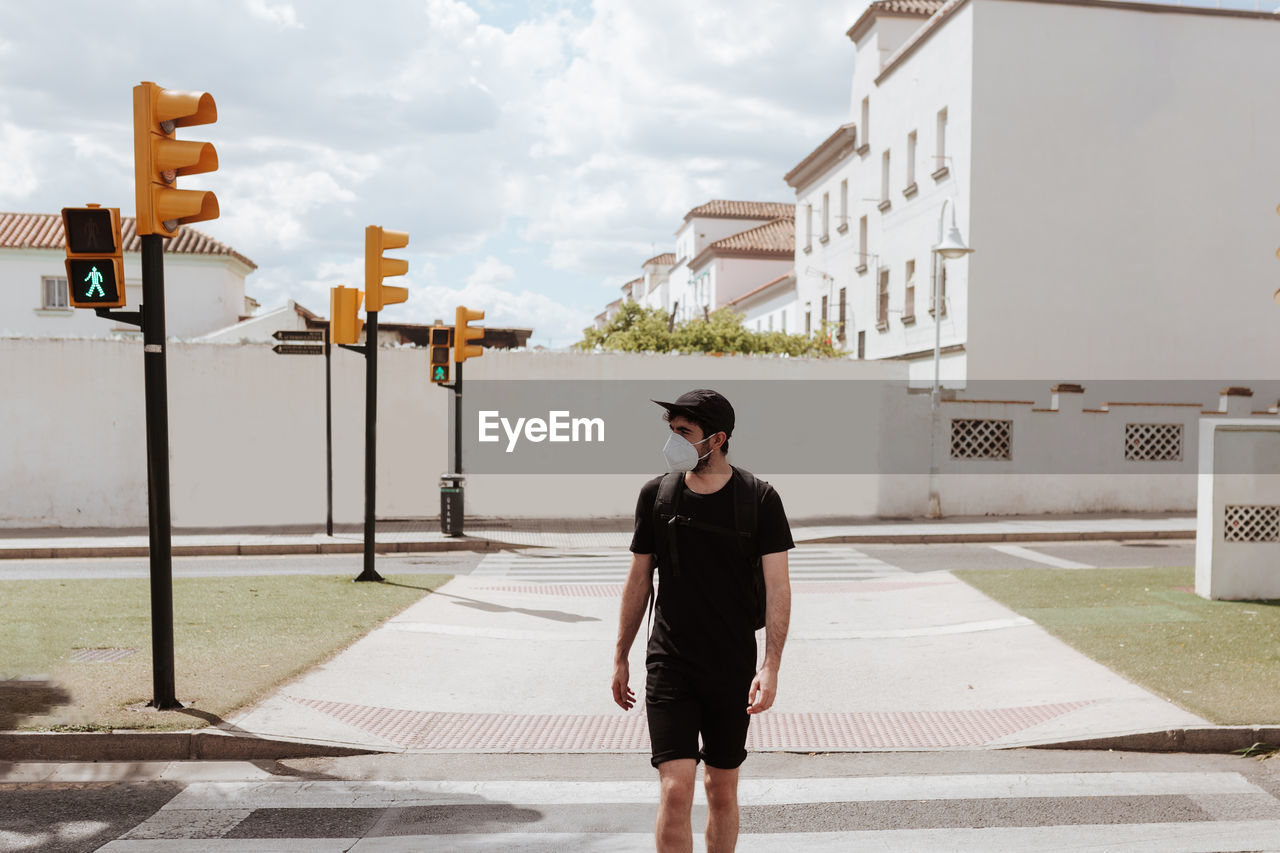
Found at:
(843, 438)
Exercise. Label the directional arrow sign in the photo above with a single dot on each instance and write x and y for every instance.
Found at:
(298, 349)
(291, 335)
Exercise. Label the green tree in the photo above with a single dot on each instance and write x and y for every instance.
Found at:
(637, 329)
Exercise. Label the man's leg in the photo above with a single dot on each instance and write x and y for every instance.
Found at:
(675, 828)
(722, 809)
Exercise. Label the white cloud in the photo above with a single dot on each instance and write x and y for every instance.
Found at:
(17, 163)
(282, 15)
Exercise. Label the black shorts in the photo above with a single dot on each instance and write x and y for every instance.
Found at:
(681, 705)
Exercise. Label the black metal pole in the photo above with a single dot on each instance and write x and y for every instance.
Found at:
(328, 431)
(370, 441)
(457, 420)
(157, 402)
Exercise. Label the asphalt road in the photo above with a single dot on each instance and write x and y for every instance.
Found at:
(963, 800)
(911, 558)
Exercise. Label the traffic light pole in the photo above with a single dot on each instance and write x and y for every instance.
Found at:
(457, 419)
(157, 403)
(370, 442)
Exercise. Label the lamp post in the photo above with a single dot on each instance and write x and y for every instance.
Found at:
(950, 245)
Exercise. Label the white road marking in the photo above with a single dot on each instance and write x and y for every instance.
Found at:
(1036, 556)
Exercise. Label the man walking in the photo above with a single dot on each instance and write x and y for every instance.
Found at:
(720, 539)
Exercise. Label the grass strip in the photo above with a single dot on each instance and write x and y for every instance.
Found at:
(235, 639)
(1217, 659)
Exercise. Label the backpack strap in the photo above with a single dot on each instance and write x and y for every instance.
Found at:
(665, 507)
(746, 507)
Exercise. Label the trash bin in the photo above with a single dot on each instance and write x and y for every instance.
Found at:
(451, 504)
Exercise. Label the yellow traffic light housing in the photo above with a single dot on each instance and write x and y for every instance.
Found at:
(441, 341)
(462, 333)
(376, 241)
(159, 159)
(95, 260)
(344, 315)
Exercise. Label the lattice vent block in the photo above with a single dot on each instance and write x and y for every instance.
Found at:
(1153, 442)
(1252, 523)
(981, 438)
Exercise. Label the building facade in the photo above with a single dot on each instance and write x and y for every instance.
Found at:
(204, 282)
(1109, 163)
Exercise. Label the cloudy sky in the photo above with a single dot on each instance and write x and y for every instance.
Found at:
(536, 152)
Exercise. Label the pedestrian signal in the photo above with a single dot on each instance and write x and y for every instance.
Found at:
(440, 342)
(95, 264)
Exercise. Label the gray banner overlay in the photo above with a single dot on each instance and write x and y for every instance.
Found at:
(863, 426)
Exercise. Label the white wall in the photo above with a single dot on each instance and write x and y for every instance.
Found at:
(202, 293)
(1124, 193)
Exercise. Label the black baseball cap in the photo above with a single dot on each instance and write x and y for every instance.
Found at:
(703, 404)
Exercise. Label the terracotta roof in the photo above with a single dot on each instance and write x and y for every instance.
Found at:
(634, 281)
(721, 209)
(896, 8)
(776, 236)
(666, 259)
(772, 240)
(44, 231)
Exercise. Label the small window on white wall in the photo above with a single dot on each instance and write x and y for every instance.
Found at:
(844, 206)
(940, 155)
(54, 294)
(911, 158)
(808, 227)
(865, 129)
(884, 178)
(826, 217)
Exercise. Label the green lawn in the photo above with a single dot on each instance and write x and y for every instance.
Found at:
(235, 640)
(1218, 659)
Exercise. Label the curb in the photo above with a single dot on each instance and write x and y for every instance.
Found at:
(467, 544)
(1204, 739)
(211, 745)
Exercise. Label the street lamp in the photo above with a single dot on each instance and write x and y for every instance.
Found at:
(950, 245)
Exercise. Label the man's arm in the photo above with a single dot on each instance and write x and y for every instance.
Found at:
(635, 595)
(777, 618)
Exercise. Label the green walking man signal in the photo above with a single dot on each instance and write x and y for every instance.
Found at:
(95, 264)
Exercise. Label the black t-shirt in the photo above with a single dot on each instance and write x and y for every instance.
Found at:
(704, 619)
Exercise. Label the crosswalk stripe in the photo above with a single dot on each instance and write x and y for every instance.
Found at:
(751, 792)
(1036, 556)
(844, 563)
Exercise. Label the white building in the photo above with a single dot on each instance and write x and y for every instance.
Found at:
(1111, 165)
(204, 282)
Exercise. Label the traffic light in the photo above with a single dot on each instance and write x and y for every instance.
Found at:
(159, 159)
(95, 265)
(344, 317)
(440, 342)
(462, 333)
(376, 241)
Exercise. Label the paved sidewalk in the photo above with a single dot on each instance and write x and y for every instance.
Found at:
(492, 534)
(917, 661)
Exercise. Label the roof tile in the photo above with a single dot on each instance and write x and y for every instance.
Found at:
(721, 209)
(776, 236)
(44, 231)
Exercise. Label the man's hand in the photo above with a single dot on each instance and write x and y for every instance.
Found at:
(764, 687)
(622, 693)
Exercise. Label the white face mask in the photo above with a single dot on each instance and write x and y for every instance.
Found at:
(682, 454)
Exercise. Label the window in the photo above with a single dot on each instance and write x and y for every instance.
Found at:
(771, 322)
(844, 206)
(864, 250)
(865, 127)
(782, 318)
(909, 303)
(54, 294)
(826, 217)
(808, 227)
(840, 326)
(825, 316)
(862, 344)
(940, 155)
(884, 181)
(808, 321)
(942, 290)
(911, 160)
(882, 300)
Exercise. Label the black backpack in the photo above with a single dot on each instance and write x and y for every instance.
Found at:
(748, 492)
